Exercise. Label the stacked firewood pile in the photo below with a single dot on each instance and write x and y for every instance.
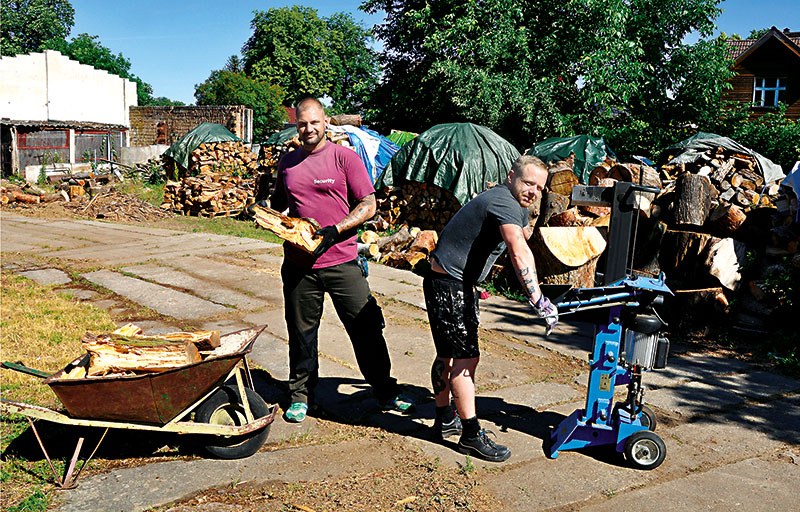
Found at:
(226, 157)
(405, 248)
(417, 204)
(698, 229)
(208, 195)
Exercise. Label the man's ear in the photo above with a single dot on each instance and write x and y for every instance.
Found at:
(510, 175)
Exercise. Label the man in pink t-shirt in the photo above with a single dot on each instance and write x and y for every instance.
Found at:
(323, 181)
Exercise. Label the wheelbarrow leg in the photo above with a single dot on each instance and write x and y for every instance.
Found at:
(68, 481)
(240, 384)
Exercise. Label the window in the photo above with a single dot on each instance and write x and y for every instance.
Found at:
(767, 92)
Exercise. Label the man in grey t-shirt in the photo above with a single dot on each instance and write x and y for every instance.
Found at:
(468, 247)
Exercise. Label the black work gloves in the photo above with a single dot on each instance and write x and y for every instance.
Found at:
(329, 235)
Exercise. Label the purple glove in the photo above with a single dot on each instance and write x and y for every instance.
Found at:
(543, 308)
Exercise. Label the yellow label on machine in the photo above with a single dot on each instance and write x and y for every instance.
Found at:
(605, 382)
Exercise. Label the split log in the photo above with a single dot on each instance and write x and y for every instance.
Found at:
(721, 173)
(567, 255)
(114, 353)
(552, 204)
(684, 257)
(693, 201)
(298, 232)
(726, 219)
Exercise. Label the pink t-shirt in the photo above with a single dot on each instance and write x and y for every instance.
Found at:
(324, 185)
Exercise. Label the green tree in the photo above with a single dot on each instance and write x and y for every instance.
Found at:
(306, 55)
(532, 70)
(229, 88)
(355, 65)
(28, 25)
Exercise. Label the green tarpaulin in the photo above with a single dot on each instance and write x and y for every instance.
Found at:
(459, 157)
(689, 150)
(401, 138)
(278, 138)
(589, 152)
(204, 132)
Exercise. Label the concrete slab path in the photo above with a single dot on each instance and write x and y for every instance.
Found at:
(731, 430)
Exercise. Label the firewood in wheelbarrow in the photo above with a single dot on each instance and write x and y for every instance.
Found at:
(297, 231)
(114, 353)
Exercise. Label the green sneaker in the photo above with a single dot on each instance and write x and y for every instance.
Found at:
(400, 403)
(296, 413)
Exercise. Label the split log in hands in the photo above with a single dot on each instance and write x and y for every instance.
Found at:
(298, 232)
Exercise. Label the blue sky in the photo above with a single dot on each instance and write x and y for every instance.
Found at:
(174, 45)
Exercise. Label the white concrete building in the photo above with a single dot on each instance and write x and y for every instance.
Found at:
(54, 109)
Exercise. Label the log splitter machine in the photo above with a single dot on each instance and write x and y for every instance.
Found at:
(627, 341)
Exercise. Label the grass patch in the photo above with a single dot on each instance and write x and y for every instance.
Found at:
(228, 226)
(42, 329)
(153, 194)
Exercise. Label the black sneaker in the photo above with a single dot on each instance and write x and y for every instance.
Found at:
(445, 429)
(484, 448)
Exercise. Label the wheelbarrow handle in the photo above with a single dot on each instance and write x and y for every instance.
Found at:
(24, 369)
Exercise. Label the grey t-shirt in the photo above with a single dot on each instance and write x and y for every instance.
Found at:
(471, 242)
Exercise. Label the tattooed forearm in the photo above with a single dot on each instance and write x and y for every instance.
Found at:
(360, 214)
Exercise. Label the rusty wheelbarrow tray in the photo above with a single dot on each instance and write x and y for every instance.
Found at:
(235, 415)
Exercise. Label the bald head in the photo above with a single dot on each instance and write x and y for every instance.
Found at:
(311, 123)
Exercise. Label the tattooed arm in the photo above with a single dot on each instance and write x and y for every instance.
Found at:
(522, 259)
(363, 211)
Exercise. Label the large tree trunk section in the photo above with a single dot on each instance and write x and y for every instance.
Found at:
(552, 204)
(562, 180)
(567, 255)
(693, 200)
(683, 258)
(649, 241)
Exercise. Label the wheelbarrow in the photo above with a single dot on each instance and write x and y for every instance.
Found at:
(233, 419)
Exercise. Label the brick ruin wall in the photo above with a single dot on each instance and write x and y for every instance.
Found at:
(165, 125)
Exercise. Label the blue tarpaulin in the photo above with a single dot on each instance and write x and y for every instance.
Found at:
(374, 149)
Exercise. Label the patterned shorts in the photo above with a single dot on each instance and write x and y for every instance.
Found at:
(453, 315)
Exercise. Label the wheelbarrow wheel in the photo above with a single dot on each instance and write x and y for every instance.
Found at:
(225, 408)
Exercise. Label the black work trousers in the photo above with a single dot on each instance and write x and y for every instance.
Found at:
(303, 292)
